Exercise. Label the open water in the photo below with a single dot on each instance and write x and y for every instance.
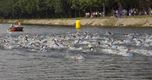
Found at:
(62, 53)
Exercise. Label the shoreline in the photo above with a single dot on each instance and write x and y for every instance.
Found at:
(145, 21)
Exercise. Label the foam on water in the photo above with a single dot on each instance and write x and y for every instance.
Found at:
(80, 41)
(60, 53)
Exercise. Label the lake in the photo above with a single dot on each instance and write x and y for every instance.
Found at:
(62, 53)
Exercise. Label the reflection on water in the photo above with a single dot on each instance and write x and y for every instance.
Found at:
(57, 53)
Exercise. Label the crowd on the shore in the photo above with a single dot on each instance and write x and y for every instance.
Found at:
(94, 14)
(120, 13)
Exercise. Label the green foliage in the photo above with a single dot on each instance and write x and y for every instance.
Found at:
(64, 8)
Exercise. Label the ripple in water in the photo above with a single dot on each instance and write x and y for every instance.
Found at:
(75, 56)
(84, 42)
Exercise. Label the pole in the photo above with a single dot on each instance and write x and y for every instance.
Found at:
(12, 9)
(104, 10)
(75, 9)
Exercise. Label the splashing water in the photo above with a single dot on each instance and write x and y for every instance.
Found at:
(80, 41)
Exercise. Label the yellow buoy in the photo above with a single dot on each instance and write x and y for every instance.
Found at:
(78, 24)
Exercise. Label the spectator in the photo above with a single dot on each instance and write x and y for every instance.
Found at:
(87, 14)
(124, 12)
(130, 12)
(151, 12)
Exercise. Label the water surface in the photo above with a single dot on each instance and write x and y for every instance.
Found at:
(23, 62)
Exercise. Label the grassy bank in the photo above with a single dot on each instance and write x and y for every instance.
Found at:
(137, 21)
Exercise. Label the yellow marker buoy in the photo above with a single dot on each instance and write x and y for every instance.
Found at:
(78, 24)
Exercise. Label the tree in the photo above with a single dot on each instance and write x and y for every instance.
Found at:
(65, 8)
